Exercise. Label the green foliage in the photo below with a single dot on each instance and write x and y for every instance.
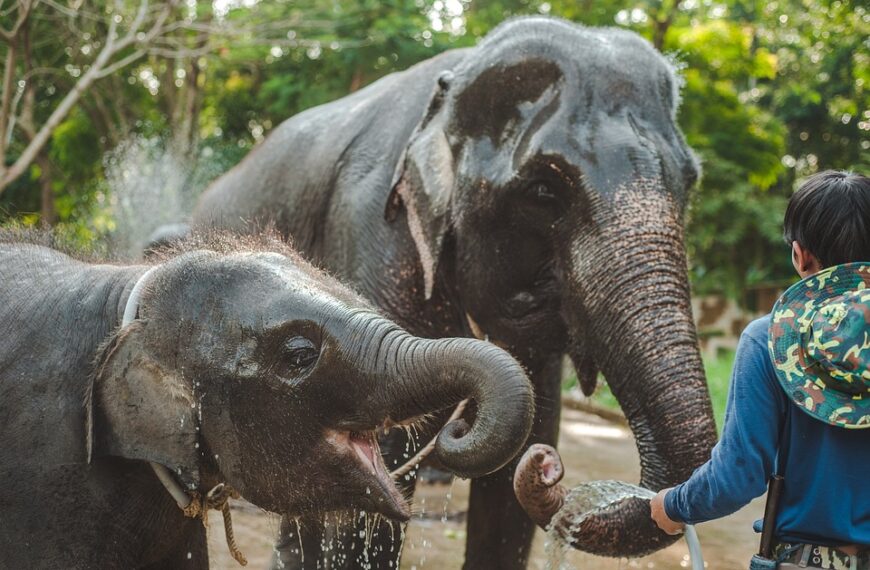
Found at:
(718, 371)
(260, 86)
(73, 150)
(773, 92)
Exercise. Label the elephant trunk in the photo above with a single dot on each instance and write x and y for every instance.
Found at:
(536, 483)
(418, 376)
(636, 305)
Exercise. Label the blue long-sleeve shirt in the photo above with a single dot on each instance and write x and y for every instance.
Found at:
(826, 497)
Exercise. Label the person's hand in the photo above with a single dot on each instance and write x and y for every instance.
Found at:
(657, 511)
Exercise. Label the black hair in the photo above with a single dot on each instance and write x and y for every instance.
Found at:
(829, 215)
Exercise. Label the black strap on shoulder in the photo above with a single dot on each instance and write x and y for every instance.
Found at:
(784, 440)
(775, 486)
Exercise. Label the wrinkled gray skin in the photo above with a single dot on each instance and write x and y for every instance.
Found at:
(603, 529)
(248, 368)
(531, 189)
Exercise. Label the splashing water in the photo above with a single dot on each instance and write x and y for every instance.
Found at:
(149, 185)
(424, 543)
(299, 534)
(580, 503)
(447, 498)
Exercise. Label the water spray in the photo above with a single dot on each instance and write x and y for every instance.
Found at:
(593, 497)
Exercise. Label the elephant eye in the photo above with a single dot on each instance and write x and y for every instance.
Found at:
(299, 353)
(542, 193)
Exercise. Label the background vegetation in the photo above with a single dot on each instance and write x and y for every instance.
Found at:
(102, 98)
(718, 372)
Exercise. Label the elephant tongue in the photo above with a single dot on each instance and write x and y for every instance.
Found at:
(366, 447)
(364, 444)
(381, 494)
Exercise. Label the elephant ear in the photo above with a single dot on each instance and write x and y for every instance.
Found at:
(139, 410)
(423, 183)
(508, 101)
(584, 364)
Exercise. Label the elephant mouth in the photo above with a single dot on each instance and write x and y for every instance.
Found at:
(381, 494)
(365, 444)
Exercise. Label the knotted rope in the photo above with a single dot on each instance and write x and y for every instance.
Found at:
(421, 455)
(217, 499)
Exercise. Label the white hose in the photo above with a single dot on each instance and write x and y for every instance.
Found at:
(694, 548)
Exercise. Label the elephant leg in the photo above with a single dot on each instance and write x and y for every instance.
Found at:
(499, 531)
(298, 544)
(359, 542)
(191, 551)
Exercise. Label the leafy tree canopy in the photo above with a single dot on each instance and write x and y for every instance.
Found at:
(773, 91)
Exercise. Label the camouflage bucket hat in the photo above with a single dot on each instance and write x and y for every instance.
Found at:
(820, 344)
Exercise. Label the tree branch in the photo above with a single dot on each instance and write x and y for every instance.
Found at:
(24, 8)
(98, 69)
(123, 62)
(6, 100)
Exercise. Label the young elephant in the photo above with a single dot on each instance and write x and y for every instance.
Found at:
(242, 366)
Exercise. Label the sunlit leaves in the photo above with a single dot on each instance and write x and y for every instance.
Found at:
(774, 90)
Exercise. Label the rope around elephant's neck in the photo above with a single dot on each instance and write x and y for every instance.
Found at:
(415, 461)
(218, 499)
(190, 503)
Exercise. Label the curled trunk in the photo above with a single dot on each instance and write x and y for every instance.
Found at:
(536, 483)
(635, 313)
(423, 375)
(596, 509)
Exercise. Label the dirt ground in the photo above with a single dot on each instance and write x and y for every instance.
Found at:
(591, 449)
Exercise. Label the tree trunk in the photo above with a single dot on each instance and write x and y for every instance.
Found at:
(48, 216)
(356, 81)
(662, 21)
(186, 137)
(5, 102)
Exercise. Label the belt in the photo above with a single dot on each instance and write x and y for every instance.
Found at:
(816, 556)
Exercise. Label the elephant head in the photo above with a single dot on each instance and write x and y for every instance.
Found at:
(254, 369)
(549, 175)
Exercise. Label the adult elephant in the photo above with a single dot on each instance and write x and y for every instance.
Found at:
(530, 189)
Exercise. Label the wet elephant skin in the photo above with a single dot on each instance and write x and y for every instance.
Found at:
(597, 522)
(531, 190)
(245, 366)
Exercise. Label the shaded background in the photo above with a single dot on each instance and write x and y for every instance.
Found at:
(773, 91)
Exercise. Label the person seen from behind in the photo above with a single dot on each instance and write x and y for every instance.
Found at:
(799, 400)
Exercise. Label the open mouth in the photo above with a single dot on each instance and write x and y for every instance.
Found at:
(383, 495)
(365, 444)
